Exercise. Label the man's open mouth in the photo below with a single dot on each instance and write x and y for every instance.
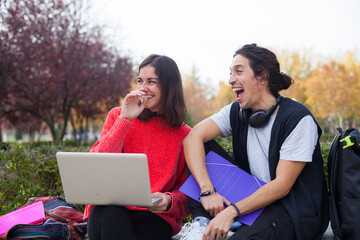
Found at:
(239, 92)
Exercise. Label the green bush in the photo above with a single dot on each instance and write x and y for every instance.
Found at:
(226, 143)
(31, 171)
(27, 171)
(325, 147)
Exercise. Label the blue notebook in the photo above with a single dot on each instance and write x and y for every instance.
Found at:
(229, 180)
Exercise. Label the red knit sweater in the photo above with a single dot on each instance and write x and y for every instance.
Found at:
(163, 146)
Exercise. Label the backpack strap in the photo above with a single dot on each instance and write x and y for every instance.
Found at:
(73, 227)
(333, 171)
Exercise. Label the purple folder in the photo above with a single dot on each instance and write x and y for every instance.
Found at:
(229, 180)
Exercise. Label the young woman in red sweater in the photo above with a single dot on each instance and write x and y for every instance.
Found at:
(150, 121)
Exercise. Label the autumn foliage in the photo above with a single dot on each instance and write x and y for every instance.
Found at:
(53, 67)
(56, 69)
(333, 91)
(329, 88)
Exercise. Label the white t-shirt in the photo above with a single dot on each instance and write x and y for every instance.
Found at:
(298, 146)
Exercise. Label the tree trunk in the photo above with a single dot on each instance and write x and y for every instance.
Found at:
(1, 138)
(86, 129)
(74, 130)
(81, 131)
(62, 130)
(341, 122)
(53, 132)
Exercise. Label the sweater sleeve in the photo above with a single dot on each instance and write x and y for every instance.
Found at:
(179, 202)
(113, 133)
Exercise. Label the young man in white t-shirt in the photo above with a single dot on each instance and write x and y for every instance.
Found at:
(275, 139)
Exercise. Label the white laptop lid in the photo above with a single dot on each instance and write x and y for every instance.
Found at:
(105, 178)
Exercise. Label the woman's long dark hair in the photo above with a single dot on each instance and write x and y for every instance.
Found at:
(172, 104)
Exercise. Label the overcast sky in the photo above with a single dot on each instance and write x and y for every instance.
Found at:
(205, 33)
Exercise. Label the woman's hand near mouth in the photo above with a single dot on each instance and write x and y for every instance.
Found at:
(131, 108)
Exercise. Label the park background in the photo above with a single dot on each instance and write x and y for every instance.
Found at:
(65, 64)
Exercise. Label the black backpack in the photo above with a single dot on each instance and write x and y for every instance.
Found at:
(344, 184)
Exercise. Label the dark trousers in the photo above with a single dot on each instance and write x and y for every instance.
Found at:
(273, 223)
(117, 222)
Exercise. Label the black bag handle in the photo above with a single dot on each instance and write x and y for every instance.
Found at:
(332, 165)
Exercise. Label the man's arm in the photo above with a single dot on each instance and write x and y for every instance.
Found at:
(195, 158)
(286, 174)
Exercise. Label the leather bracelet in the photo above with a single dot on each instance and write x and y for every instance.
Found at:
(236, 208)
(207, 193)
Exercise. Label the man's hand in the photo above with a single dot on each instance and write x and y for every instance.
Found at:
(220, 225)
(214, 203)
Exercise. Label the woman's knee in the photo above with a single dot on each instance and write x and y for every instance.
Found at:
(113, 211)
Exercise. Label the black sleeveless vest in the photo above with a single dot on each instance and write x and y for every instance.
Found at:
(307, 201)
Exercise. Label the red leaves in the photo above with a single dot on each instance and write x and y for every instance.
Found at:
(54, 65)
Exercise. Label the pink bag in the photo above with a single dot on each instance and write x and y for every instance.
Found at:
(31, 214)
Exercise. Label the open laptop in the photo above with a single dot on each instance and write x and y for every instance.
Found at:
(105, 178)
